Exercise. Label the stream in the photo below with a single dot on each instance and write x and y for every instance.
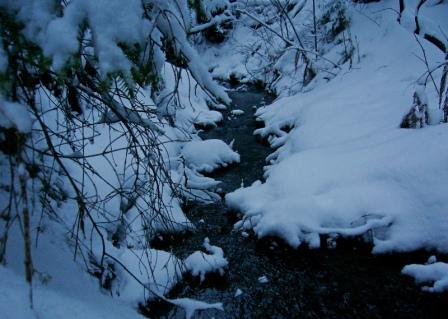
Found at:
(344, 282)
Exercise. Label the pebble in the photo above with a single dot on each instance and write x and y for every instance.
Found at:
(238, 292)
(263, 280)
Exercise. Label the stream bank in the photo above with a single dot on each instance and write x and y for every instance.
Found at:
(345, 282)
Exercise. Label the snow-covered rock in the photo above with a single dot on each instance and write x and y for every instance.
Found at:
(237, 112)
(200, 263)
(263, 280)
(191, 305)
(208, 155)
(435, 273)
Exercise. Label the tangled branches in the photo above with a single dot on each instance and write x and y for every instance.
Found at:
(94, 157)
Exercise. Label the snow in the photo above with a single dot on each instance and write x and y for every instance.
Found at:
(237, 112)
(200, 263)
(432, 260)
(195, 102)
(157, 272)
(431, 18)
(50, 303)
(15, 115)
(345, 166)
(238, 292)
(341, 165)
(436, 273)
(209, 118)
(263, 280)
(208, 155)
(61, 286)
(132, 203)
(57, 33)
(191, 305)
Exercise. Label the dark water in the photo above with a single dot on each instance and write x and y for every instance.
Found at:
(346, 282)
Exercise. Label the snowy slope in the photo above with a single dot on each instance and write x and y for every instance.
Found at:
(346, 167)
(129, 216)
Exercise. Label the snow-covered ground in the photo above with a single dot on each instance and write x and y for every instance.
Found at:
(346, 167)
(341, 163)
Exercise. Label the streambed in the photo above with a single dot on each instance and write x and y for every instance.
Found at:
(345, 282)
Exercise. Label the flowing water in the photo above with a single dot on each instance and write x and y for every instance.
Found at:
(345, 282)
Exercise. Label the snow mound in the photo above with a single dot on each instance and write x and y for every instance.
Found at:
(200, 263)
(437, 273)
(208, 155)
(208, 118)
(50, 303)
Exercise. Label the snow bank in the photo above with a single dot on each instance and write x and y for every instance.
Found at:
(200, 263)
(208, 155)
(346, 167)
(437, 273)
(52, 304)
(62, 287)
(155, 271)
